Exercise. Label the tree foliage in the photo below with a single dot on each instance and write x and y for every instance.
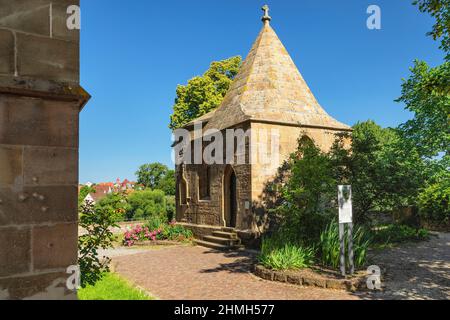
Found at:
(155, 176)
(426, 93)
(204, 93)
(307, 194)
(116, 203)
(434, 201)
(440, 10)
(382, 173)
(167, 183)
(145, 204)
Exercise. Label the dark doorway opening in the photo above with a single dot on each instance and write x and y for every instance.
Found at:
(230, 197)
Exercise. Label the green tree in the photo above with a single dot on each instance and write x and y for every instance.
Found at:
(145, 204)
(440, 10)
(116, 203)
(204, 93)
(382, 173)
(427, 94)
(151, 174)
(308, 194)
(167, 183)
(434, 201)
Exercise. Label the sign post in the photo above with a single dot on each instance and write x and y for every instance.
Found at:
(345, 218)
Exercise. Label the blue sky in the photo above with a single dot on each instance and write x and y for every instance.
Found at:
(134, 53)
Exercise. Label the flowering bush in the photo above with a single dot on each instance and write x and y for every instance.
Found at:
(149, 232)
(140, 233)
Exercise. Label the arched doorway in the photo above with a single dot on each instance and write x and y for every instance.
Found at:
(230, 197)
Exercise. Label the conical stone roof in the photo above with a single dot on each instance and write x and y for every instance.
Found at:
(270, 88)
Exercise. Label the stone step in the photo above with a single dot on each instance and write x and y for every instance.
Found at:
(228, 229)
(220, 240)
(224, 234)
(211, 245)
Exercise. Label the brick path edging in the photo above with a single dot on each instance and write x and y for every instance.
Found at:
(308, 278)
(155, 243)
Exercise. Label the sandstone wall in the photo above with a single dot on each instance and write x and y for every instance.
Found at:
(263, 173)
(211, 211)
(40, 100)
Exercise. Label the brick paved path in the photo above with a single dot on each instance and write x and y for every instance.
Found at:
(185, 272)
(410, 271)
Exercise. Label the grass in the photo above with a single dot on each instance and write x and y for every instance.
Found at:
(284, 256)
(112, 287)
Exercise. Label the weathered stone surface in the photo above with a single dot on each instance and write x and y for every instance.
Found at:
(314, 281)
(55, 246)
(60, 16)
(7, 64)
(38, 122)
(14, 251)
(264, 273)
(335, 284)
(294, 278)
(26, 15)
(38, 205)
(50, 166)
(10, 165)
(39, 109)
(36, 287)
(47, 58)
(279, 276)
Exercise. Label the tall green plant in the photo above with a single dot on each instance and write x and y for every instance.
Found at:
(329, 246)
(96, 223)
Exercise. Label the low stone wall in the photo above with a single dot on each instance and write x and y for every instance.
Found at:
(308, 277)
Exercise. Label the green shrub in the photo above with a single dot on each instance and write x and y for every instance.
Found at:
(307, 197)
(156, 229)
(277, 255)
(434, 202)
(116, 203)
(97, 223)
(155, 222)
(170, 207)
(145, 204)
(176, 232)
(396, 233)
(329, 246)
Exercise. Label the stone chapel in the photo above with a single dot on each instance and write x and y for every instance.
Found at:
(220, 201)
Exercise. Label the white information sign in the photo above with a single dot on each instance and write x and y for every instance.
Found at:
(345, 204)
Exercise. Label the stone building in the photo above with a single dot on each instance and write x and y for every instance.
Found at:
(268, 95)
(40, 101)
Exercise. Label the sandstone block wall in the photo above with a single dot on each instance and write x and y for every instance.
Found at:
(40, 101)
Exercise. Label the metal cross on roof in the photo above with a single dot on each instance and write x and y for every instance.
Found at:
(266, 16)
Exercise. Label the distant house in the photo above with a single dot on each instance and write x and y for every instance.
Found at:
(124, 185)
(101, 191)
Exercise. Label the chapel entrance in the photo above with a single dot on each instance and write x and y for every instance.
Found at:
(230, 197)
